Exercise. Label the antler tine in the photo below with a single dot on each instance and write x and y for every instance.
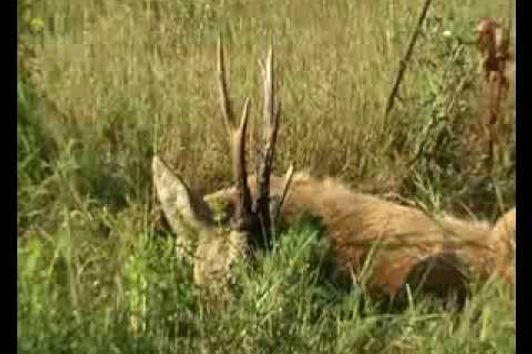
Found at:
(243, 217)
(225, 102)
(268, 88)
(271, 118)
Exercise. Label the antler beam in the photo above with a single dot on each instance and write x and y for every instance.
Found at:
(271, 118)
(251, 216)
(243, 217)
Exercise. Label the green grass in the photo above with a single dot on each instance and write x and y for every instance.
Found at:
(102, 85)
(129, 293)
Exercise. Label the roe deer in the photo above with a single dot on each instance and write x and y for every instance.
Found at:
(401, 241)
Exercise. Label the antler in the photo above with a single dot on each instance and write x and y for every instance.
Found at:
(251, 216)
(271, 118)
(243, 217)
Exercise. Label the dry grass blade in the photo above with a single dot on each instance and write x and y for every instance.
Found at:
(286, 186)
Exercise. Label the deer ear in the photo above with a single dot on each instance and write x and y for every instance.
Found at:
(184, 210)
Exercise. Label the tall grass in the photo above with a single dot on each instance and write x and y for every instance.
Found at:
(129, 293)
(105, 84)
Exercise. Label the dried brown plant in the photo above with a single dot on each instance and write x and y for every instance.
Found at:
(494, 45)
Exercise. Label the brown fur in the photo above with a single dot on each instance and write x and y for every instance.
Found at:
(503, 233)
(400, 237)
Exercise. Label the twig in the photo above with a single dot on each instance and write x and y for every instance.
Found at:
(406, 58)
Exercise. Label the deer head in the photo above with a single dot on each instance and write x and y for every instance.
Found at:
(250, 225)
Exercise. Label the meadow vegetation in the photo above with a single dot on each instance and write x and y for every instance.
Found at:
(103, 85)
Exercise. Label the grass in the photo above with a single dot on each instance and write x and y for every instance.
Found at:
(102, 85)
(129, 293)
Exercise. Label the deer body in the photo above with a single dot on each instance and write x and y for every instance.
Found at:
(400, 237)
(361, 228)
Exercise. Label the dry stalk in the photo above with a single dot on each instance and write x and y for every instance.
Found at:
(494, 46)
(404, 61)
